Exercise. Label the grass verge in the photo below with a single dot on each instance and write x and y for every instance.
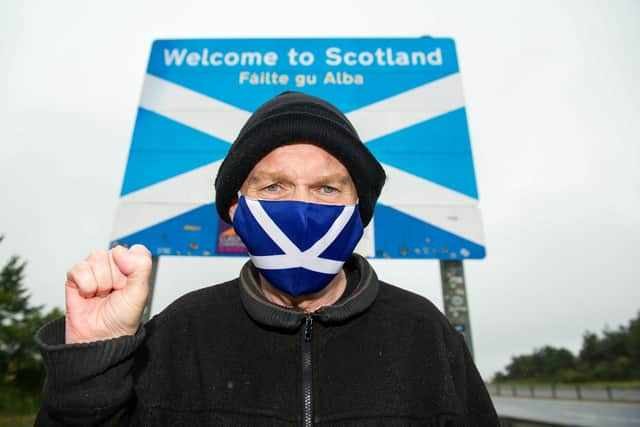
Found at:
(17, 403)
(17, 420)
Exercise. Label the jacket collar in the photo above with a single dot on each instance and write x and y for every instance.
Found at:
(264, 311)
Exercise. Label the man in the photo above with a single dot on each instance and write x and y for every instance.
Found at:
(306, 335)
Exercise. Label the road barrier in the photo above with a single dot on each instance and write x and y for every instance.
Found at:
(518, 422)
(565, 391)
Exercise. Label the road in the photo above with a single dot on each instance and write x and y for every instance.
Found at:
(570, 412)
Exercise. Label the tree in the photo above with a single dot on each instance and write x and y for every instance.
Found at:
(590, 353)
(615, 356)
(545, 364)
(611, 356)
(633, 346)
(20, 362)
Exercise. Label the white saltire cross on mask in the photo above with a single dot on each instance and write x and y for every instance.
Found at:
(293, 257)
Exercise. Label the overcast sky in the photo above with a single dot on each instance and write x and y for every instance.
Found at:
(552, 98)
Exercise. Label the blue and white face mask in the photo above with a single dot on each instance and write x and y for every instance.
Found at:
(298, 247)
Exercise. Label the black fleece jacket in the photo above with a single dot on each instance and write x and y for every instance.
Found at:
(225, 356)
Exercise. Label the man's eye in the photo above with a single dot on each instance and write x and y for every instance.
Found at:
(328, 190)
(272, 187)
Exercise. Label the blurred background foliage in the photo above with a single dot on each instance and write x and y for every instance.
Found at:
(614, 355)
(22, 372)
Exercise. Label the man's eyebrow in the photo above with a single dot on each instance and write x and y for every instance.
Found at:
(259, 178)
(334, 178)
(267, 176)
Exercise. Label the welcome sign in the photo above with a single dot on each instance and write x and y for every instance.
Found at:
(404, 96)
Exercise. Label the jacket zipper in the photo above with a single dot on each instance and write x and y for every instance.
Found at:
(307, 404)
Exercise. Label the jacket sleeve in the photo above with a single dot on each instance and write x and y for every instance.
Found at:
(88, 384)
(479, 409)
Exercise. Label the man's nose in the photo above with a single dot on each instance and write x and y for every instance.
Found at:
(302, 194)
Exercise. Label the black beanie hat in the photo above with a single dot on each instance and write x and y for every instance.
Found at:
(296, 117)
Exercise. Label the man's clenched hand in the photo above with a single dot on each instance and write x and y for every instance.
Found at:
(106, 294)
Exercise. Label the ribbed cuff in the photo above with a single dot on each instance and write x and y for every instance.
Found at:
(86, 375)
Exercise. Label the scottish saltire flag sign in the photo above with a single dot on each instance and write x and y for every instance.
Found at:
(404, 96)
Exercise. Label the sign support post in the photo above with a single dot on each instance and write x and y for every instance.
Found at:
(146, 314)
(454, 297)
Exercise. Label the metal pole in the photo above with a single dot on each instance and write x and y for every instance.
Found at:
(578, 392)
(152, 284)
(454, 296)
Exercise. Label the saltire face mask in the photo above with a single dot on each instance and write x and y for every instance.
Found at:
(298, 247)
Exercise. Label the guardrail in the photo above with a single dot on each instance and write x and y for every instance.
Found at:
(519, 422)
(572, 392)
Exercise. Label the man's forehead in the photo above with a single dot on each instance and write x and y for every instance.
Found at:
(291, 155)
(299, 160)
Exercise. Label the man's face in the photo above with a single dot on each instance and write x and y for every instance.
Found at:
(302, 172)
